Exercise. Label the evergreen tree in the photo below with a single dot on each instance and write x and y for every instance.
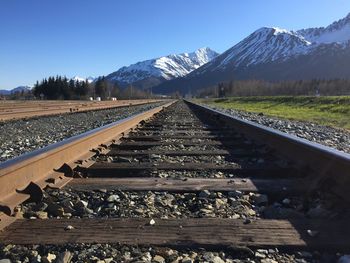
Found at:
(60, 88)
(101, 88)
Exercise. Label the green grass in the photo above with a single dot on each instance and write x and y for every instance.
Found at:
(331, 110)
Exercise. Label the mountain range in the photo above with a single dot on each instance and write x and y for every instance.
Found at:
(13, 91)
(149, 73)
(269, 53)
(275, 54)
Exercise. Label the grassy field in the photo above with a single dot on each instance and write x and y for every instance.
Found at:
(331, 111)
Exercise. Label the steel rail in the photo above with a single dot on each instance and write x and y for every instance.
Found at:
(23, 177)
(330, 167)
(8, 112)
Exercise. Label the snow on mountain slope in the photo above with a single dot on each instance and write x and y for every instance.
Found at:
(88, 79)
(275, 54)
(166, 68)
(267, 45)
(337, 32)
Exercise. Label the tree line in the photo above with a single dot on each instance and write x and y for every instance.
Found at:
(59, 87)
(62, 88)
(322, 87)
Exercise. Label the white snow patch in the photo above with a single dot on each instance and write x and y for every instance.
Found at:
(278, 31)
(168, 67)
(80, 79)
(337, 36)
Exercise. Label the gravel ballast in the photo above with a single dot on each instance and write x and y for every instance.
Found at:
(112, 253)
(102, 203)
(154, 205)
(247, 206)
(25, 135)
(328, 136)
(145, 204)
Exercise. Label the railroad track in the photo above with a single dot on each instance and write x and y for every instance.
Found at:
(181, 176)
(26, 109)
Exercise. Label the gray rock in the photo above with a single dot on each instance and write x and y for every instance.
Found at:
(147, 257)
(158, 259)
(81, 204)
(64, 257)
(5, 260)
(235, 193)
(204, 194)
(344, 259)
(260, 255)
(87, 211)
(40, 207)
(209, 256)
(113, 198)
(124, 160)
(247, 221)
(312, 233)
(48, 258)
(69, 227)
(286, 201)
(260, 199)
(217, 259)
(220, 202)
(186, 260)
(268, 260)
(41, 215)
(55, 209)
(318, 212)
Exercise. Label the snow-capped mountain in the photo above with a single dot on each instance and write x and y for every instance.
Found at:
(268, 51)
(271, 44)
(18, 89)
(264, 45)
(337, 32)
(21, 88)
(154, 71)
(88, 79)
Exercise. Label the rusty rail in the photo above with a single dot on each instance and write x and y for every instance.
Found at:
(27, 109)
(329, 166)
(23, 177)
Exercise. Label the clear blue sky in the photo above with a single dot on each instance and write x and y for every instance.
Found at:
(39, 38)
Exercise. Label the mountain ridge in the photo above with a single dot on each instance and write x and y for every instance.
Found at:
(14, 90)
(145, 74)
(272, 53)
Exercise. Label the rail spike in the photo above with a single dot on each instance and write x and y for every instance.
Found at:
(6, 209)
(34, 191)
(35, 195)
(66, 170)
